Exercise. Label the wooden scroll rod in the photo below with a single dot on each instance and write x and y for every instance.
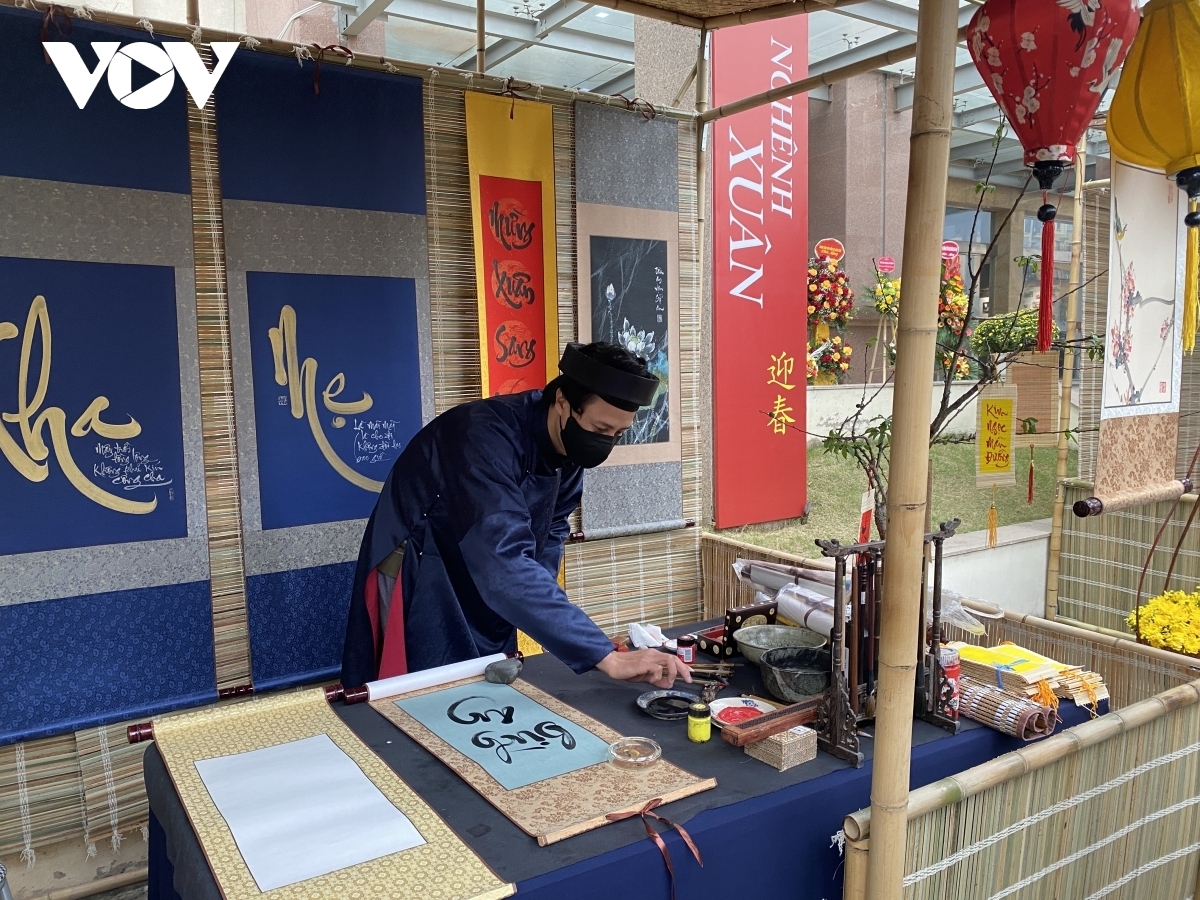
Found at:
(577, 536)
(1094, 506)
(375, 690)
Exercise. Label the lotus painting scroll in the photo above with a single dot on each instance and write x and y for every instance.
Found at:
(514, 738)
(629, 308)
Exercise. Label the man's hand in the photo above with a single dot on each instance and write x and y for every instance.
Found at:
(650, 666)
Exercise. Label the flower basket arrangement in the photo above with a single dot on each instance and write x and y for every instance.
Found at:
(885, 294)
(1170, 621)
(953, 308)
(832, 364)
(830, 297)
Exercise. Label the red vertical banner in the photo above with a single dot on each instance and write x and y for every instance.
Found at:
(510, 211)
(759, 160)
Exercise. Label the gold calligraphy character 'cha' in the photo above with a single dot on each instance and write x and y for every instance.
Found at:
(30, 457)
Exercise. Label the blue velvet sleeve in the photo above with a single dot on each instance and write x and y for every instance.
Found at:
(499, 550)
(560, 529)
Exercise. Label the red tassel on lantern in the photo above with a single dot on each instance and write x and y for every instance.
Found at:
(1045, 332)
(1029, 490)
(1048, 64)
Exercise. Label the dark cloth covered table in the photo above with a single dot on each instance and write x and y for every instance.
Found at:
(776, 827)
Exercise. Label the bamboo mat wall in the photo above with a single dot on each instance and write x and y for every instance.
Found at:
(1131, 674)
(722, 590)
(1102, 559)
(1119, 818)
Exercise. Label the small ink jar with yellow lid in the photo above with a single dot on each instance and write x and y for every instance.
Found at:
(699, 722)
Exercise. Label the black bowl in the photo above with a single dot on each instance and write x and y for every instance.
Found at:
(796, 673)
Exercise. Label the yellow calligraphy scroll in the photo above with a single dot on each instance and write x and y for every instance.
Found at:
(995, 462)
(510, 142)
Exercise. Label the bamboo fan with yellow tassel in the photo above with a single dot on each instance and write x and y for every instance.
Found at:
(1154, 120)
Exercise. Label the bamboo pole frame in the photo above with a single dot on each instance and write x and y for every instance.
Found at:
(858, 825)
(854, 883)
(929, 159)
(480, 36)
(1054, 556)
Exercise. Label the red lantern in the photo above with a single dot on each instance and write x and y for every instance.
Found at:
(1048, 65)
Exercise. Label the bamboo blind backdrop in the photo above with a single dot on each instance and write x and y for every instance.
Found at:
(1093, 296)
(1102, 559)
(1131, 672)
(1035, 376)
(222, 493)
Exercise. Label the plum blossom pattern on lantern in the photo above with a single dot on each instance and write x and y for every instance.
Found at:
(1048, 63)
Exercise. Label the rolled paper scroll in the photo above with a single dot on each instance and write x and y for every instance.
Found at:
(598, 534)
(1135, 464)
(375, 690)
(807, 608)
(1094, 506)
(415, 681)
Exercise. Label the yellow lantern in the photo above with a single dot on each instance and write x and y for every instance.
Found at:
(1154, 120)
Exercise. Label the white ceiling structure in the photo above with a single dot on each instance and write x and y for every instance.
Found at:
(575, 44)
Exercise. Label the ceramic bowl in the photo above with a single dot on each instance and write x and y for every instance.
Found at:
(794, 674)
(756, 640)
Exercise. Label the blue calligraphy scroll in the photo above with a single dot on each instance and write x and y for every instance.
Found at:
(514, 738)
(272, 122)
(337, 391)
(92, 451)
(45, 135)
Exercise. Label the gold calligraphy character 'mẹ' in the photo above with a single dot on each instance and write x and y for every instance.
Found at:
(301, 382)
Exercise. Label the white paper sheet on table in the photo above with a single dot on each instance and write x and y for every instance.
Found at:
(303, 809)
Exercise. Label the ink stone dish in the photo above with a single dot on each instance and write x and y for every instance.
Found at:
(666, 705)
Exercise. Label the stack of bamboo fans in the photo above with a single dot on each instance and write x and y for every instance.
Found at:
(1025, 673)
(1017, 691)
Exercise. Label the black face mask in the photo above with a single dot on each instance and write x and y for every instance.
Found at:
(586, 449)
